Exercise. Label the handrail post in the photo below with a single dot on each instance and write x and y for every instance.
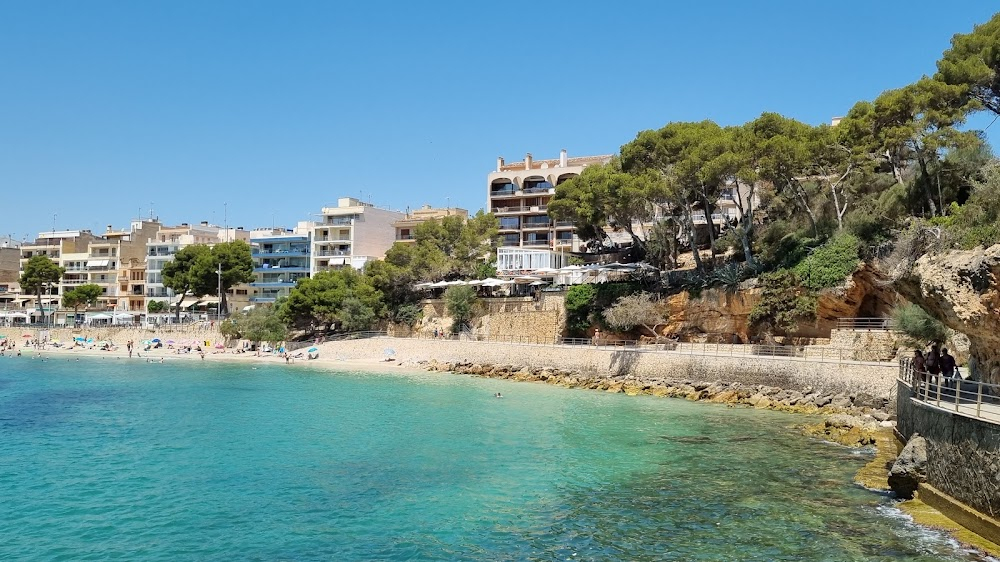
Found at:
(979, 398)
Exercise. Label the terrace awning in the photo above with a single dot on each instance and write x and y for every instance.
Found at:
(98, 263)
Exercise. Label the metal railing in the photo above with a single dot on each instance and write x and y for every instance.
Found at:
(759, 351)
(974, 399)
(865, 324)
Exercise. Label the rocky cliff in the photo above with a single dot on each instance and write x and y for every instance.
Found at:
(962, 289)
(715, 315)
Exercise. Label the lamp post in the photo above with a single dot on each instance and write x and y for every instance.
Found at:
(218, 306)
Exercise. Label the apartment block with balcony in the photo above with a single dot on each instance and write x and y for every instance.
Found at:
(351, 234)
(65, 248)
(280, 259)
(518, 193)
(167, 241)
(405, 226)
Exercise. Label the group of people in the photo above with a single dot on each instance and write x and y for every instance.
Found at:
(934, 363)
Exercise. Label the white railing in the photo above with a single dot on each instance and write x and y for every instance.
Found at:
(974, 399)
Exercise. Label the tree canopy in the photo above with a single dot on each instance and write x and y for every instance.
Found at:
(40, 273)
(341, 296)
(83, 295)
(257, 325)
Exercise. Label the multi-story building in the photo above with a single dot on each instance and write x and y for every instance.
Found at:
(169, 240)
(404, 227)
(65, 248)
(351, 234)
(10, 260)
(518, 193)
(280, 258)
(132, 285)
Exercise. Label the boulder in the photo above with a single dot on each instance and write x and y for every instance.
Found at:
(910, 468)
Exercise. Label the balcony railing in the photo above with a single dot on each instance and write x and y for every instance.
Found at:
(282, 269)
(499, 192)
(263, 299)
(540, 189)
(333, 253)
(273, 284)
(262, 253)
(338, 222)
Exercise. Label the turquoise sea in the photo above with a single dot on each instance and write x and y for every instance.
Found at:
(106, 459)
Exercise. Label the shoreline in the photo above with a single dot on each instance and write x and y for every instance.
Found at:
(849, 421)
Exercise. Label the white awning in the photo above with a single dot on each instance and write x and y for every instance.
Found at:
(97, 263)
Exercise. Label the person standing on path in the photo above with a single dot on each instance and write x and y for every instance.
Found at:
(948, 367)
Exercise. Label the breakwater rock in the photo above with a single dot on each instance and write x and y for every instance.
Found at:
(807, 400)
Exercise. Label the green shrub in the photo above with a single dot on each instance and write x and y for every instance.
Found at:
(829, 264)
(579, 299)
(783, 302)
(914, 321)
(459, 301)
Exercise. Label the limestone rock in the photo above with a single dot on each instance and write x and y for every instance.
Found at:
(962, 289)
(910, 468)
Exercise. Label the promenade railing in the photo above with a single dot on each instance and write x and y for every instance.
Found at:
(865, 324)
(974, 399)
(815, 354)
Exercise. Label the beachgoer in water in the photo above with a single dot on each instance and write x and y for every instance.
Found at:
(498, 395)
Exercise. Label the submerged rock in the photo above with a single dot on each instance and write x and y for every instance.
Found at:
(910, 468)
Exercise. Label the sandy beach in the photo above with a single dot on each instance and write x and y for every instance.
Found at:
(167, 355)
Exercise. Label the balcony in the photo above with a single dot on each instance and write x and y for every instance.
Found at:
(564, 224)
(338, 222)
(273, 284)
(278, 253)
(282, 269)
(332, 253)
(536, 225)
(507, 190)
(264, 299)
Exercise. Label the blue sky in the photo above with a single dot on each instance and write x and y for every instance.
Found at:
(270, 110)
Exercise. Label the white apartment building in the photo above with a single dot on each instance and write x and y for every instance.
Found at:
(351, 234)
(280, 261)
(169, 240)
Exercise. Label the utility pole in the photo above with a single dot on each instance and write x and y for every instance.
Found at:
(218, 307)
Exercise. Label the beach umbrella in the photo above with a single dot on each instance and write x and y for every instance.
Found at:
(3, 337)
(171, 341)
(146, 342)
(155, 340)
(389, 352)
(26, 336)
(313, 349)
(219, 346)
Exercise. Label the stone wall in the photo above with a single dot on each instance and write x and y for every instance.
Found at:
(541, 319)
(790, 374)
(120, 334)
(867, 345)
(963, 454)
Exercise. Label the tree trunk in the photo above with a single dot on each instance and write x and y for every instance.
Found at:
(694, 239)
(746, 222)
(926, 183)
(40, 309)
(177, 311)
(711, 225)
(804, 203)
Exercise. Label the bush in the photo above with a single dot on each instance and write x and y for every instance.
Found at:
(977, 222)
(458, 301)
(830, 263)
(783, 302)
(579, 299)
(914, 321)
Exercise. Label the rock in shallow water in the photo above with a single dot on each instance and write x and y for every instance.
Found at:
(910, 468)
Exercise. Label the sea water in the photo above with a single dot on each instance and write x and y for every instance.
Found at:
(106, 459)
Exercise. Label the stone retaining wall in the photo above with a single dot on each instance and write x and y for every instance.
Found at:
(120, 334)
(830, 378)
(963, 454)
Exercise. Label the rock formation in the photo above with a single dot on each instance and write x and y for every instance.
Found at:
(910, 468)
(962, 290)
